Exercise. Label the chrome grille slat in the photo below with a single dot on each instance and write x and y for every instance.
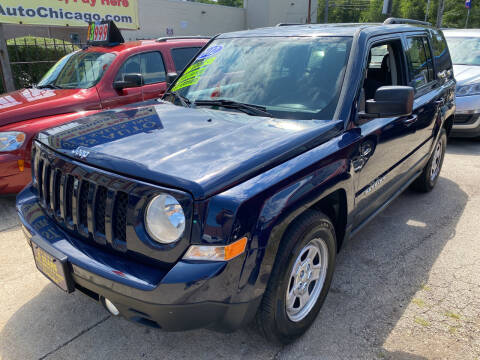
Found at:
(46, 184)
(82, 214)
(109, 216)
(75, 191)
(53, 193)
(56, 191)
(62, 189)
(40, 178)
(90, 207)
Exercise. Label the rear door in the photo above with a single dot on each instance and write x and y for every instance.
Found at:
(428, 95)
(152, 67)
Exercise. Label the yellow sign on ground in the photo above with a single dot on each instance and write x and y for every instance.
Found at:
(70, 12)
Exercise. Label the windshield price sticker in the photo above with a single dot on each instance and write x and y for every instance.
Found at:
(210, 52)
(192, 75)
(97, 32)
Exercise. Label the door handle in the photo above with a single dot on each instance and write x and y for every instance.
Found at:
(442, 74)
(365, 152)
(410, 120)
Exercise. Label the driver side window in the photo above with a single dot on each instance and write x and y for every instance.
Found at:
(150, 65)
(383, 69)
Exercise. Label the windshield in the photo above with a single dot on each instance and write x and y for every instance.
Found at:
(290, 77)
(464, 50)
(78, 70)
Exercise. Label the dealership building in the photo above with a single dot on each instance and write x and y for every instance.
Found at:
(157, 18)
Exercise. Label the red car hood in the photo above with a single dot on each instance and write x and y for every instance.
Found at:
(34, 103)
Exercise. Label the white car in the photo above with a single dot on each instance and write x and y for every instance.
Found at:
(464, 45)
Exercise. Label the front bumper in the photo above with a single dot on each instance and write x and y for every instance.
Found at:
(467, 117)
(188, 295)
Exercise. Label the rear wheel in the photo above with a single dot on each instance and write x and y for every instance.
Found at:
(430, 174)
(300, 278)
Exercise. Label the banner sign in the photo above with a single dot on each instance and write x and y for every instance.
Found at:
(70, 12)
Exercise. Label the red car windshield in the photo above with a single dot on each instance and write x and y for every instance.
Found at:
(78, 70)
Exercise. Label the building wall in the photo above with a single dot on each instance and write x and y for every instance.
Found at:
(188, 18)
(185, 18)
(256, 13)
(261, 13)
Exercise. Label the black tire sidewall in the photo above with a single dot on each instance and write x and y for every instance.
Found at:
(286, 329)
(442, 138)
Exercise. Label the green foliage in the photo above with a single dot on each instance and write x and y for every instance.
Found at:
(235, 3)
(454, 15)
(30, 51)
(206, 2)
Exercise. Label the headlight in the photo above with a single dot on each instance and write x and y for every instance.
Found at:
(164, 219)
(467, 90)
(11, 140)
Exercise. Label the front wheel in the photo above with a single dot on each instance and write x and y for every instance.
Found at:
(430, 174)
(300, 278)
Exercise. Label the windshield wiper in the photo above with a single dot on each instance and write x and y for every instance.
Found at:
(183, 100)
(250, 109)
(49, 86)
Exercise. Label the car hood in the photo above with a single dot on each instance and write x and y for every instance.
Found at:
(34, 103)
(199, 150)
(466, 74)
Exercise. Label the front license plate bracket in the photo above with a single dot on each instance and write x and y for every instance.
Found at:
(53, 264)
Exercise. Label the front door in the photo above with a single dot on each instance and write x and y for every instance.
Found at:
(385, 144)
(151, 66)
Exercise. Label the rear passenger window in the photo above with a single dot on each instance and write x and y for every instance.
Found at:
(150, 65)
(182, 56)
(419, 61)
(440, 51)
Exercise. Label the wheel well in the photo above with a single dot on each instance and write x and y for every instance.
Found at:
(448, 124)
(335, 207)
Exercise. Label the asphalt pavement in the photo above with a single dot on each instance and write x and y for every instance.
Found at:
(406, 287)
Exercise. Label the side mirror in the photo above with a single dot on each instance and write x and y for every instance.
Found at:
(129, 81)
(391, 101)
(171, 78)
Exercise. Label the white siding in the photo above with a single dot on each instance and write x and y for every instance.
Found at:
(185, 18)
(261, 13)
(189, 18)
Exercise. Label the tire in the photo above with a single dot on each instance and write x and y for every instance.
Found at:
(311, 232)
(430, 174)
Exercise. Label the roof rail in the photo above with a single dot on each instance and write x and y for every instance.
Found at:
(393, 20)
(164, 39)
(288, 24)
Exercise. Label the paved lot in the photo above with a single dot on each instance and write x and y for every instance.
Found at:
(407, 287)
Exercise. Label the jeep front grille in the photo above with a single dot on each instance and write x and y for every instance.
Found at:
(94, 211)
(100, 207)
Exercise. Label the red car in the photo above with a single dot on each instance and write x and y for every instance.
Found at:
(81, 83)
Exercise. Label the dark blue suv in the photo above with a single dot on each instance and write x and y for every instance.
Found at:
(228, 199)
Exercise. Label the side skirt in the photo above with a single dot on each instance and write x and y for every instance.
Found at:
(385, 204)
